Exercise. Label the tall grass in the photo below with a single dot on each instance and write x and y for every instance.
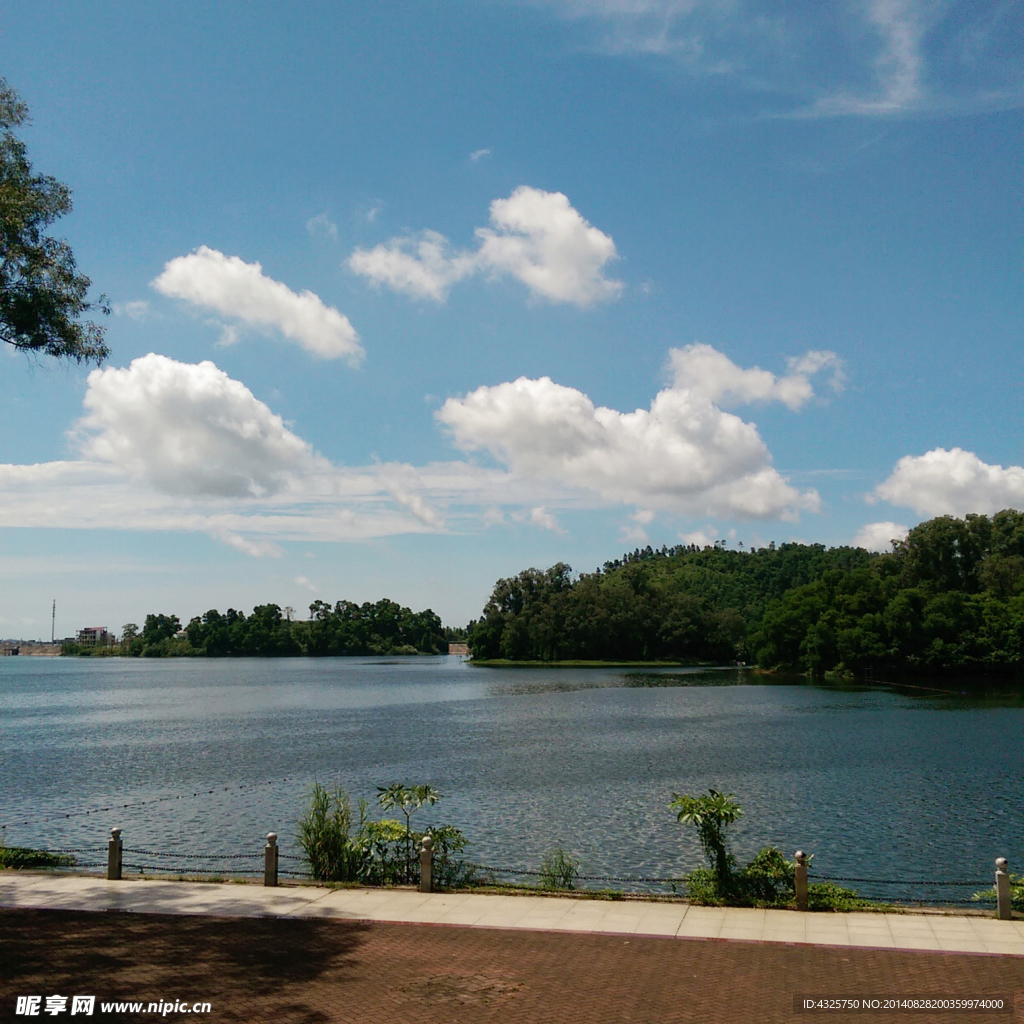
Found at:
(338, 848)
(324, 835)
(558, 870)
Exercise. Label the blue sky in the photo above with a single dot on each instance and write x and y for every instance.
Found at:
(412, 296)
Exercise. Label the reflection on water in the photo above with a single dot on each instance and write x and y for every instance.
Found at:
(970, 692)
(887, 780)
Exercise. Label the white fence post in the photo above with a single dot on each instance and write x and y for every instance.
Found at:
(800, 880)
(1004, 910)
(427, 865)
(114, 855)
(270, 860)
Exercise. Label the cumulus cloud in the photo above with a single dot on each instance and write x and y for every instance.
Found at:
(537, 237)
(172, 446)
(479, 154)
(166, 445)
(684, 453)
(190, 430)
(231, 287)
(421, 266)
(879, 536)
(704, 369)
(952, 482)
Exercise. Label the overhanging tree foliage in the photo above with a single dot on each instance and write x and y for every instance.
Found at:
(42, 294)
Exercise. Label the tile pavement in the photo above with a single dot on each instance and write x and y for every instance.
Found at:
(949, 933)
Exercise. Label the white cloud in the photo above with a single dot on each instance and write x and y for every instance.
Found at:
(538, 516)
(713, 374)
(492, 516)
(701, 538)
(321, 226)
(879, 536)
(229, 286)
(137, 309)
(304, 581)
(634, 532)
(535, 236)
(863, 58)
(541, 239)
(420, 266)
(406, 486)
(258, 548)
(684, 453)
(899, 64)
(952, 482)
(171, 446)
(479, 154)
(189, 429)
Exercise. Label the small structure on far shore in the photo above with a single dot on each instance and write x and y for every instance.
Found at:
(95, 636)
(458, 648)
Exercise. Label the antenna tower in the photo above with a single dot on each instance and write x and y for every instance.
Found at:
(53, 622)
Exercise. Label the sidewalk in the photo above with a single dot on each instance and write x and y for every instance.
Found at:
(963, 934)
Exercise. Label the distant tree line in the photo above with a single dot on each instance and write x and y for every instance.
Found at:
(948, 598)
(345, 628)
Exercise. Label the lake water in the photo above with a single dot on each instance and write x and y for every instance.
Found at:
(877, 783)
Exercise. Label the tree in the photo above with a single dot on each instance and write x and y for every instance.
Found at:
(709, 815)
(407, 799)
(42, 294)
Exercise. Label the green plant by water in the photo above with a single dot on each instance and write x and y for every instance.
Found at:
(1016, 893)
(339, 847)
(559, 870)
(26, 857)
(767, 881)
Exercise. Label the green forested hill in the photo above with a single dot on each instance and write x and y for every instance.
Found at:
(949, 597)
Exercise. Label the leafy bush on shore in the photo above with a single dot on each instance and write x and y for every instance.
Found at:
(337, 848)
(1016, 893)
(25, 857)
(767, 881)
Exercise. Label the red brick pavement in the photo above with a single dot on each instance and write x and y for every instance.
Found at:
(284, 970)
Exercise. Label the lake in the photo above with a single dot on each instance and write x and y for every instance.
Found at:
(904, 784)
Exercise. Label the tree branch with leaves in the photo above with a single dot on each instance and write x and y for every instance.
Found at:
(43, 297)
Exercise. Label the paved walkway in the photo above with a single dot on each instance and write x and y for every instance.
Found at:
(329, 971)
(965, 934)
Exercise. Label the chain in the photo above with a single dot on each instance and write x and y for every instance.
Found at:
(197, 856)
(145, 803)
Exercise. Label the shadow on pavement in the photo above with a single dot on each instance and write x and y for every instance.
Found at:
(129, 957)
